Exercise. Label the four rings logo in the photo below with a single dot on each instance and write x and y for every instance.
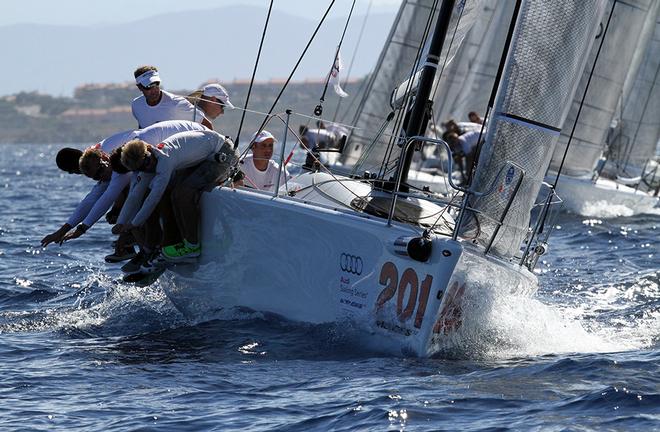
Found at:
(351, 264)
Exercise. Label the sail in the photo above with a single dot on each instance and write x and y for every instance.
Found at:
(547, 55)
(615, 62)
(467, 82)
(397, 61)
(638, 130)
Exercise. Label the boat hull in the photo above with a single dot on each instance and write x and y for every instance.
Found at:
(603, 198)
(318, 264)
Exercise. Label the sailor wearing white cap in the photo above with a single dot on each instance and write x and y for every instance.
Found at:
(259, 169)
(156, 105)
(213, 99)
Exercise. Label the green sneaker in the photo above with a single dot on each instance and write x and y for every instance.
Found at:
(181, 252)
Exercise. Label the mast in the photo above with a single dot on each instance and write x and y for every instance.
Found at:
(418, 117)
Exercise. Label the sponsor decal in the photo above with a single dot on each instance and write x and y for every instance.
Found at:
(351, 264)
(451, 315)
(351, 303)
(394, 328)
(509, 175)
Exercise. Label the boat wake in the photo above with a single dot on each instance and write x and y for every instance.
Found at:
(606, 318)
(99, 307)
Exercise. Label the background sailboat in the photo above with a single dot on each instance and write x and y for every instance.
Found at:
(631, 26)
(636, 130)
(400, 58)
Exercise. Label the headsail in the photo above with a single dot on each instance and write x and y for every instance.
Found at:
(615, 62)
(546, 56)
(394, 67)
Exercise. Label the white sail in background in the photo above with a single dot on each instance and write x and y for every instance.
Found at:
(635, 138)
(394, 66)
(547, 54)
(467, 82)
(616, 60)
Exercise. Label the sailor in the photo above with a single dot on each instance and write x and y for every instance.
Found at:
(463, 148)
(259, 169)
(94, 163)
(156, 105)
(460, 128)
(212, 100)
(475, 118)
(195, 161)
(67, 160)
(150, 236)
(313, 140)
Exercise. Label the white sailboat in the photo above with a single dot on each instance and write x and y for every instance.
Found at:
(399, 268)
(581, 188)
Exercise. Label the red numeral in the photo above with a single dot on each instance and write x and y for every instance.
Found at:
(409, 279)
(389, 276)
(408, 285)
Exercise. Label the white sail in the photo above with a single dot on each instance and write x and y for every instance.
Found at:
(546, 56)
(394, 67)
(638, 128)
(615, 62)
(468, 80)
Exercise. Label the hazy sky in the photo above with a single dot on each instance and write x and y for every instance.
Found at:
(91, 12)
(94, 41)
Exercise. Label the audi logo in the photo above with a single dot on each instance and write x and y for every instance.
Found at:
(351, 264)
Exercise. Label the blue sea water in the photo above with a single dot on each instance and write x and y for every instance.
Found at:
(80, 350)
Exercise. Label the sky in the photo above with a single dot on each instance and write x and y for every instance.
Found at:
(73, 37)
(94, 12)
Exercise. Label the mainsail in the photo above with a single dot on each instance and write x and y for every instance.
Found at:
(468, 80)
(401, 50)
(635, 138)
(615, 61)
(547, 54)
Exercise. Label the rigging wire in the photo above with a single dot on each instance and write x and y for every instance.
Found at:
(254, 71)
(319, 108)
(584, 96)
(357, 45)
(295, 68)
(401, 115)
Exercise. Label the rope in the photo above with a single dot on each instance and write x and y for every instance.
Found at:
(319, 108)
(398, 123)
(357, 45)
(254, 71)
(584, 96)
(270, 111)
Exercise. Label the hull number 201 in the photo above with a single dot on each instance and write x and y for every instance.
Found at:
(409, 292)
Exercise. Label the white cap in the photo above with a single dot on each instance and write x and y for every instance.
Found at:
(148, 78)
(263, 136)
(219, 92)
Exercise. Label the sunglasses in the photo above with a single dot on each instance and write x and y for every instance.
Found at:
(149, 87)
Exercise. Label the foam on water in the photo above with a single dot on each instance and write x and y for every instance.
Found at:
(604, 209)
(607, 318)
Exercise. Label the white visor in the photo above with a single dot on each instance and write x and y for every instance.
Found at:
(148, 78)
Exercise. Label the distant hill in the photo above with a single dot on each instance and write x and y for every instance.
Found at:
(98, 111)
(189, 48)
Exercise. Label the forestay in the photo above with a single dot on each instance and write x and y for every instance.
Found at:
(394, 66)
(615, 62)
(547, 54)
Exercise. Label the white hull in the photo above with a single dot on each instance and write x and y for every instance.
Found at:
(603, 198)
(316, 264)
